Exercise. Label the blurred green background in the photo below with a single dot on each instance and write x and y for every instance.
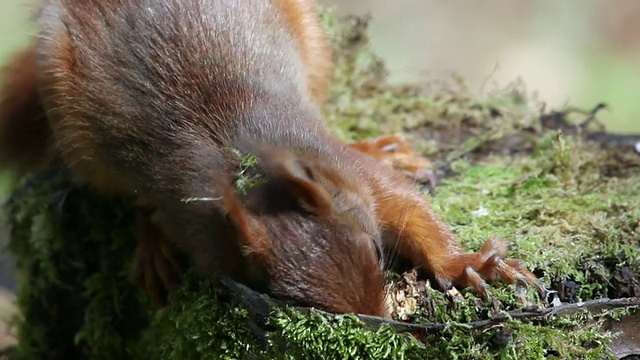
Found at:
(15, 31)
(14, 24)
(571, 52)
(577, 52)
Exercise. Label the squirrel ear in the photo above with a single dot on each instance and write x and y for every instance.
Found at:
(303, 181)
(253, 236)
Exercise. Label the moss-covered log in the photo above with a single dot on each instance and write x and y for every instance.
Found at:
(570, 208)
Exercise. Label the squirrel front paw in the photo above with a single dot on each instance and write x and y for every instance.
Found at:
(396, 152)
(156, 268)
(475, 270)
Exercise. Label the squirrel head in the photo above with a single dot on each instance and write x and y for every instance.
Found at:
(307, 230)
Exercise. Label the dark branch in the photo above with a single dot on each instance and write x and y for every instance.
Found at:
(259, 305)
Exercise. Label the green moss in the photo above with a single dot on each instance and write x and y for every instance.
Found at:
(185, 331)
(558, 208)
(199, 326)
(567, 207)
(74, 292)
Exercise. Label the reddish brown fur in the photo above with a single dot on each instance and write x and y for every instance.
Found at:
(395, 151)
(24, 134)
(302, 20)
(146, 101)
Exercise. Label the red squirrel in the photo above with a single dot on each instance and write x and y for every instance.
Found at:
(162, 100)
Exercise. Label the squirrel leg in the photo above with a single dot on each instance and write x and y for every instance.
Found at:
(412, 231)
(396, 152)
(156, 267)
(416, 234)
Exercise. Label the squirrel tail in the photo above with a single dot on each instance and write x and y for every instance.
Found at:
(25, 135)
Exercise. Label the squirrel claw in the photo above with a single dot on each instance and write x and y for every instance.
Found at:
(156, 269)
(488, 265)
(477, 282)
(143, 274)
(444, 284)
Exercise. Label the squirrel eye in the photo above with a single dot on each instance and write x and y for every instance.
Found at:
(379, 253)
(378, 250)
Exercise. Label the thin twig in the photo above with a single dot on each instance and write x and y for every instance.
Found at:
(593, 307)
(259, 304)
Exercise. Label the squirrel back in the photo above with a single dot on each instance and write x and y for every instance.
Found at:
(165, 99)
(233, 60)
(25, 134)
(168, 100)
